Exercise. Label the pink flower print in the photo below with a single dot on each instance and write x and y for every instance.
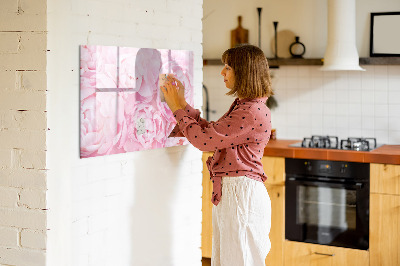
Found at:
(147, 68)
(127, 71)
(155, 127)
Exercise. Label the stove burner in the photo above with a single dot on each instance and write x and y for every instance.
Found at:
(328, 142)
(358, 144)
(332, 142)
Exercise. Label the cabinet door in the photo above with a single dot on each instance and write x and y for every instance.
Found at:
(206, 232)
(277, 233)
(384, 230)
(304, 254)
(274, 168)
(385, 178)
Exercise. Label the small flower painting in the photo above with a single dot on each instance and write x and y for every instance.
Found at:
(121, 104)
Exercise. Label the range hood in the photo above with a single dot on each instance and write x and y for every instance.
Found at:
(341, 51)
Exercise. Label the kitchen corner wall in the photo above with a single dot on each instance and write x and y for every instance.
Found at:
(139, 208)
(311, 102)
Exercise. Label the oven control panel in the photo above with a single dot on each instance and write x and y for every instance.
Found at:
(337, 169)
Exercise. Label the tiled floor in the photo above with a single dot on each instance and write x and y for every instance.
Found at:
(206, 261)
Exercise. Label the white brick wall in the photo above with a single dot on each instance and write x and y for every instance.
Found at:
(139, 208)
(23, 132)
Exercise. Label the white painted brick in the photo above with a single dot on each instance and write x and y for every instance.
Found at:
(98, 222)
(36, 7)
(9, 237)
(168, 19)
(193, 23)
(114, 186)
(5, 158)
(22, 218)
(33, 239)
(35, 140)
(31, 56)
(96, 173)
(33, 159)
(80, 227)
(176, 7)
(9, 42)
(17, 256)
(31, 80)
(35, 120)
(23, 178)
(79, 176)
(197, 166)
(148, 6)
(23, 100)
(33, 199)
(7, 80)
(8, 6)
(196, 10)
(25, 20)
(153, 32)
(8, 197)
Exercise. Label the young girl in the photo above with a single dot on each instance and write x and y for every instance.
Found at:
(242, 209)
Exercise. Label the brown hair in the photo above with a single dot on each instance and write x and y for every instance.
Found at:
(250, 66)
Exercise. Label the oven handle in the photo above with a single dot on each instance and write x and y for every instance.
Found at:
(357, 185)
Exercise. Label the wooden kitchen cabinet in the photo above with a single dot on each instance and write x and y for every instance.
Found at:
(277, 233)
(206, 225)
(385, 178)
(274, 168)
(385, 215)
(384, 236)
(305, 254)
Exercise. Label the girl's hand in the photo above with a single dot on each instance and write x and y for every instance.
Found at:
(181, 91)
(172, 95)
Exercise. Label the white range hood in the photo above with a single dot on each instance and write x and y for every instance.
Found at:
(341, 51)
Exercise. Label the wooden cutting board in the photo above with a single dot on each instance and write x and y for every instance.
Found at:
(239, 35)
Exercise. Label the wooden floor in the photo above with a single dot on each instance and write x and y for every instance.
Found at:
(206, 261)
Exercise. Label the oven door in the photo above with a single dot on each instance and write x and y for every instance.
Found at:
(327, 213)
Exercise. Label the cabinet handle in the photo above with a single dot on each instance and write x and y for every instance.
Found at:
(324, 254)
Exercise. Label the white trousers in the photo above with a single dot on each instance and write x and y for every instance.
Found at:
(241, 223)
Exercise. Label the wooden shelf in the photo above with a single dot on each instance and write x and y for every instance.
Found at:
(273, 63)
(380, 61)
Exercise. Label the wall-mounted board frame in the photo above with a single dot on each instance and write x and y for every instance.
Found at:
(384, 35)
(121, 105)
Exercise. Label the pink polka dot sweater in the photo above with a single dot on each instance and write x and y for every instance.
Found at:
(238, 139)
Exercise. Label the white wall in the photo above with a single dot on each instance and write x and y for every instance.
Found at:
(139, 208)
(343, 104)
(311, 102)
(306, 19)
(23, 133)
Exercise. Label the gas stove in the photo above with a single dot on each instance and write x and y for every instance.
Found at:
(332, 142)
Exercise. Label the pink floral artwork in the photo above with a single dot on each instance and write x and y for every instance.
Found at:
(121, 106)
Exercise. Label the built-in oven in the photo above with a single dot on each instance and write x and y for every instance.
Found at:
(327, 202)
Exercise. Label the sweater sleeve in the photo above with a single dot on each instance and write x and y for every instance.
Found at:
(229, 131)
(195, 114)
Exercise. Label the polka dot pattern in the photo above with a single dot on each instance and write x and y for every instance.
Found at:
(238, 139)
